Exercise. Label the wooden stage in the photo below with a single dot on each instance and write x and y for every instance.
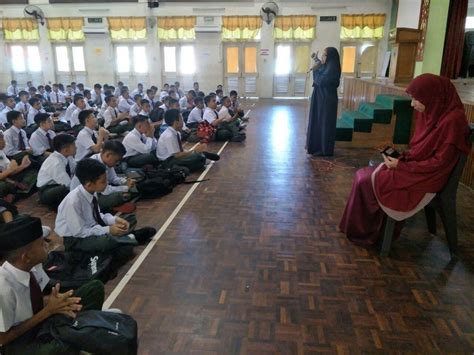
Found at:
(365, 90)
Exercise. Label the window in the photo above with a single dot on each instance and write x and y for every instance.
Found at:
(68, 58)
(469, 22)
(232, 54)
(185, 63)
(283, 60)
(188, 62)
(170, 59)
(25, 58)
(348, 59)
(129, 57)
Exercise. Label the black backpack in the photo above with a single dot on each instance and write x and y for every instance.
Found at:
(73, 269)
(175, 175)
(153, 188)
(96, 332)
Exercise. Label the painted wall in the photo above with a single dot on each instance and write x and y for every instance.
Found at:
(434, 42)
(408, 13)
(99, 50)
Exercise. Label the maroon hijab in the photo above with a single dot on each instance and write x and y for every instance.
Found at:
(443, 122)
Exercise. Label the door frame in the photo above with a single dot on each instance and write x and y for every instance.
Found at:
(241, 75)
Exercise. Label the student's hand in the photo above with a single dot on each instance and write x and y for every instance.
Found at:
(122, 223)
(117, 230)
(131, 183)
(56, 114)
(25, 162)
(103, 133)
(63, 303)
(390, 162)
(13, 165)
(201, 147)
(150, 132)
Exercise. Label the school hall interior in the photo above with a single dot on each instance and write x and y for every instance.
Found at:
(246, 256)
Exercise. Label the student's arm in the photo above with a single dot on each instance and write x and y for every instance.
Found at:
(75, 222)
(10, 170)
(9, 145)
(100, 140)
(7, 217)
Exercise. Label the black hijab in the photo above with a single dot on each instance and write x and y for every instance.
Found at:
(333, 63)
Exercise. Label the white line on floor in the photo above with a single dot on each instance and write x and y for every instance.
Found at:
(126, 278)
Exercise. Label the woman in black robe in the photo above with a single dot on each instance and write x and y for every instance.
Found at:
(323, 112)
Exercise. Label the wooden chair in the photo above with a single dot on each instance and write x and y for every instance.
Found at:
(444, 203)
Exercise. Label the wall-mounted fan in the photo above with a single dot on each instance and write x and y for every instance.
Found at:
(34, 12)
(269, 11)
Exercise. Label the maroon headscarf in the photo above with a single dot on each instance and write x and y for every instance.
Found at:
(442, 123)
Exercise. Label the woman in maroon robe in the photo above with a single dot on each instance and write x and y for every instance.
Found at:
(401, 187)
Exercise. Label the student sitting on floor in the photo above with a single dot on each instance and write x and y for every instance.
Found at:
(164, 92)
(225, 130)
(170, 148)
(196, 113)
(235, 105)
(71, 108)
(138, 91)
(9, 106)
(54, 177)
(14, 178)
(13, 90)
(57, 97)
(89, 140)
(119, 189)
(80, 103)
(41, 140)
(187, 102)
(35, 108)
(140, 144)
(150, 96)
(88, 98)
(124, 101)
(219, 96)
(115, 121)
(23, 244)
(145, 108)
(229, 116)
(16, 141)
(179, 91)
(136, 107)
(196, 87)
(97, 96)
(117, 91)
(85, 229)
(23, 106)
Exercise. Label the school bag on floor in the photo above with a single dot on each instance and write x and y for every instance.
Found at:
(72, 270)
(97, 332)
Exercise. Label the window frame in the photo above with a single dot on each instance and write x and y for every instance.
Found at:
(71, 64)
(24, 46)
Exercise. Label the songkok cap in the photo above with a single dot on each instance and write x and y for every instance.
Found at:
(20, 232)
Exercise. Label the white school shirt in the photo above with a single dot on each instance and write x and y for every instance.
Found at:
(137, 92)
(23, 107)
(39, 142)
(12, 141)
(74, 119)
(15, 299)
(3, 115)
(163, 94)
(210, 115)
(224, 113)
(180, 93)
(117, 91)
(151, 100)
(143, 113)
(75, 216)
(57, 97)
(13, 91)
(4, 161)
(110, 114)
(195, 116)
(136, 143)
(30, 117)
(70, 109)
(164, 108)
(102, 109)
(124, 104)
(84, 143)
(97, 99)
(183, 103)
(53, 170)
(115, 183)
(168, 144)
(135, 110)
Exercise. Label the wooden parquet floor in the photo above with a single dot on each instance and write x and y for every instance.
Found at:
(254, 262)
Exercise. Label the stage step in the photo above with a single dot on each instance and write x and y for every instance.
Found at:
(361, 122)
(395, 102)
(344, 129)
(379, 113)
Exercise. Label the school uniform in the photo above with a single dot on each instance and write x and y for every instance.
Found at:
(137, 92)
(84, 141)
(117, 91)
(26, 176)
(226, 130)
(97, 99)
(110, 114)
(163, 94)
(113, 195)
(3, 116)
(74, 121)
(135, 110)
(68, 114)
(86, 229)
(57, 98)
(23, 107)
(12, 91)
(54, 179)
(16, 142)
(31, 125)
(169, 144)
(140, 149)
(102, 109)
(42, 141)
(143, 113)
(124, 104)
(180, 93)
(195, 116)
(151, 100)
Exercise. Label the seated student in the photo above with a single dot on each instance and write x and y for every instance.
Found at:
(225, 131)
(89, 140)
(145, 108)
(124, 101)
(187, 102)
(219, 96)
(17, 144)
(201, 94)
(57, 97)
(23, 106)
(23, 246)
(9, 106)
(85, 229)
(72, 107)
(42, 95)
(35, 108)
(14, 177)
(118, 190)
(13, 90)
(197, 113)
(172, 94)
(172, 104)
(54, 176)
(80, 104)
(80, 89)
(69, 93)
(150, 96)
(140, 144)
(41, 140)
(88, 98)
(196, 87)
(136, 107)
(97, 96)
(170, 148)
(115, 121)
(225, 113)
(74, 88)
(164, 92)
(179, 91)
(117, 91)
(219, 87)
(32, 92)
(235, 105)
(138, 91)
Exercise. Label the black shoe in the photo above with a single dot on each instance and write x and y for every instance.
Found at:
(211, 156)
(238, 138)
(143, 235)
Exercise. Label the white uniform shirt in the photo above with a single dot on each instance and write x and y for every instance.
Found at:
(183, 103)
(23, 107)
(97, 99)
(3, 115)
(110, 114)
(57, 97)
(124, 104)
(53, 170)
(32, 112)
(135, 110)
(117, 91)
(12, 91)
(210, 115)
(68, 114)
(137, 92)
(39, 142)
(74, 120)
(102, 109)
(195, 116)
(224, 113)
(15, 301)
(12, 141)
(115, 183)
(84, 143)
(137, 143)
(4, 161)
(151, 100)
(168, 144)
(163, 94)
(75, 216)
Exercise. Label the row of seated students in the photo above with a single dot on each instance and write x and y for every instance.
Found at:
(78, 176)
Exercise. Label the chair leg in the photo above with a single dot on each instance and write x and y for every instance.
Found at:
(447, 212)
(430, 214)
(387, 236)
